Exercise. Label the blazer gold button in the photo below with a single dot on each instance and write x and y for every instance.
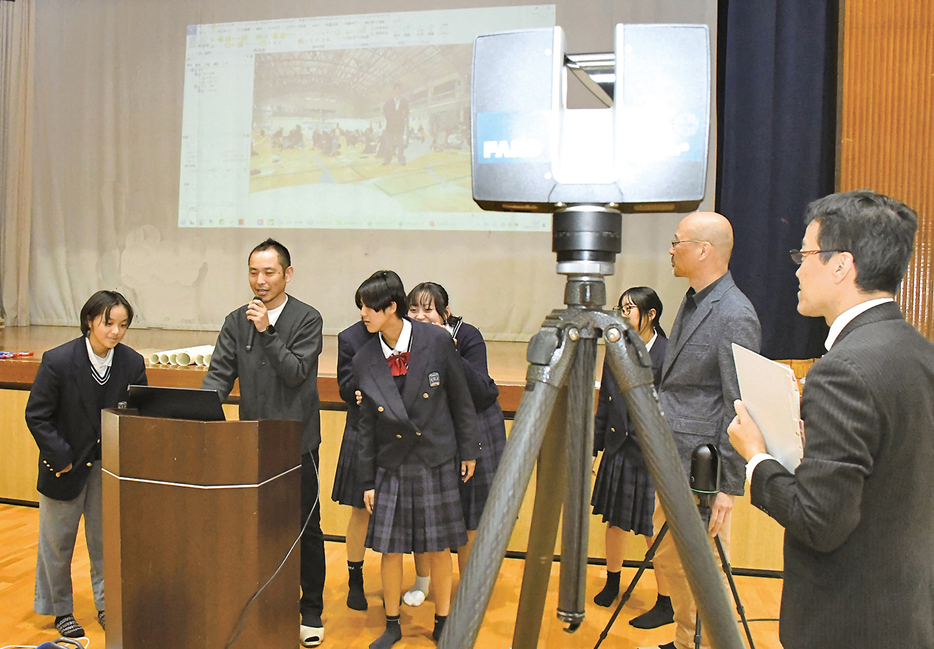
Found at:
(418, 434)
(609, 398)
(90, 464)
(425, 395)
(380, 409)
(398, 436)
(612, 430)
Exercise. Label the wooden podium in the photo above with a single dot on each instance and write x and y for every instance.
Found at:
(197, 516)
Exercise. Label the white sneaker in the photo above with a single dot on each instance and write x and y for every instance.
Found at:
(310, 636)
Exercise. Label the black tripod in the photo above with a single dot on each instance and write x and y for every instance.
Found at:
(554, 423)
(705, 482)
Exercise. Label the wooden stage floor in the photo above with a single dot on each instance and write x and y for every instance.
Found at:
(19, 625)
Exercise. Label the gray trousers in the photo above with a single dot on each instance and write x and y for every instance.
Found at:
(58, 531)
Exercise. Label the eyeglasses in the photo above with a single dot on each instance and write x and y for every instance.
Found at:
(626, 309)
(798, 256)
(676, 242)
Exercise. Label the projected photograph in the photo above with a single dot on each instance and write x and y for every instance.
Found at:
(355, 121)
(395, 120)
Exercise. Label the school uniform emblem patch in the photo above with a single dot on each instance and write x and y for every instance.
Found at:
(434, 379)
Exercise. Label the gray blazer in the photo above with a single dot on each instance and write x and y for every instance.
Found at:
(699, 381)
(279, 377)
(858, 512)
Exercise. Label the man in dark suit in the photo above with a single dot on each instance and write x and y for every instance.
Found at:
(272, 345)
(396, 112)
(699, 384)
(858, 511)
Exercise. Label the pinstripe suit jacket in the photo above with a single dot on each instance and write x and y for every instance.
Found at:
(699, 383)
(858, 512)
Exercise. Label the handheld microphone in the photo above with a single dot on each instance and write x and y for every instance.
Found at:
(252, 333)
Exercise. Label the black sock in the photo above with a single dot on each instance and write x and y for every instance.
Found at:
(606, 596)
(439, 626)
(391, 635)
(659, 615)
(356, 599)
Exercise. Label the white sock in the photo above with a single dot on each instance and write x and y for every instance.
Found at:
(419, 592)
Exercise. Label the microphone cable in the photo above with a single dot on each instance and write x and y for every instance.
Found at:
(246, 609)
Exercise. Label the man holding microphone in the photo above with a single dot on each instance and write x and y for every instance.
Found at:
(272, 345)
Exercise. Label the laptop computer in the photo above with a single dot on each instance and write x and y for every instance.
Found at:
(176, 403)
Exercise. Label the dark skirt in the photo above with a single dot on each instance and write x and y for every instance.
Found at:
(417, 509)
(347, 489)
(474, 492)
(624, 494)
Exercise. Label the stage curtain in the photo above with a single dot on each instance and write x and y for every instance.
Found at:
(17, 41)
(778, 124)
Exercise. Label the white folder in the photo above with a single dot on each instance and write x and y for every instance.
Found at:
(770, 393)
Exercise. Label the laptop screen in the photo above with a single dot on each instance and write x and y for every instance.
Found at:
(176, 403)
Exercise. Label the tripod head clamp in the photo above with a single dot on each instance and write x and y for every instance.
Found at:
(705, 470)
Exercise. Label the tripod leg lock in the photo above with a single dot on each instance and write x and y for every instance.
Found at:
(550, 353)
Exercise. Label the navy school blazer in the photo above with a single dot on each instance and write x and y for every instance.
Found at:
(349, 342)
(612, 428)
(63, 416)
(433, 418)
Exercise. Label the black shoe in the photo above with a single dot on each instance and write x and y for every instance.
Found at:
(68, 626)
(659, 615)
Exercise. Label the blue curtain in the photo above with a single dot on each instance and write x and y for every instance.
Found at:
(777, 76)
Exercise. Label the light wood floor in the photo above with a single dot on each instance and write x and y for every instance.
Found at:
(19, 625)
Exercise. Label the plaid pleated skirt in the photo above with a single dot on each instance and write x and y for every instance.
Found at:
(347, 489)
(417, 509)
(624, 495)
(474, 492)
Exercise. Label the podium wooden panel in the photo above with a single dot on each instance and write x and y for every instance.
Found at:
(197, 516)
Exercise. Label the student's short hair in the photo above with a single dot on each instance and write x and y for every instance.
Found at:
(645, 299)
(271, 244)
(877, 230)
(381, 289)
(431, 293)
(101, 303)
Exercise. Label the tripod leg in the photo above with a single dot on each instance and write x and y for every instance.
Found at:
(632, 584)
(539, 557)
(576, 520)
(630, 365)
(550, 359)
(728, 571)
